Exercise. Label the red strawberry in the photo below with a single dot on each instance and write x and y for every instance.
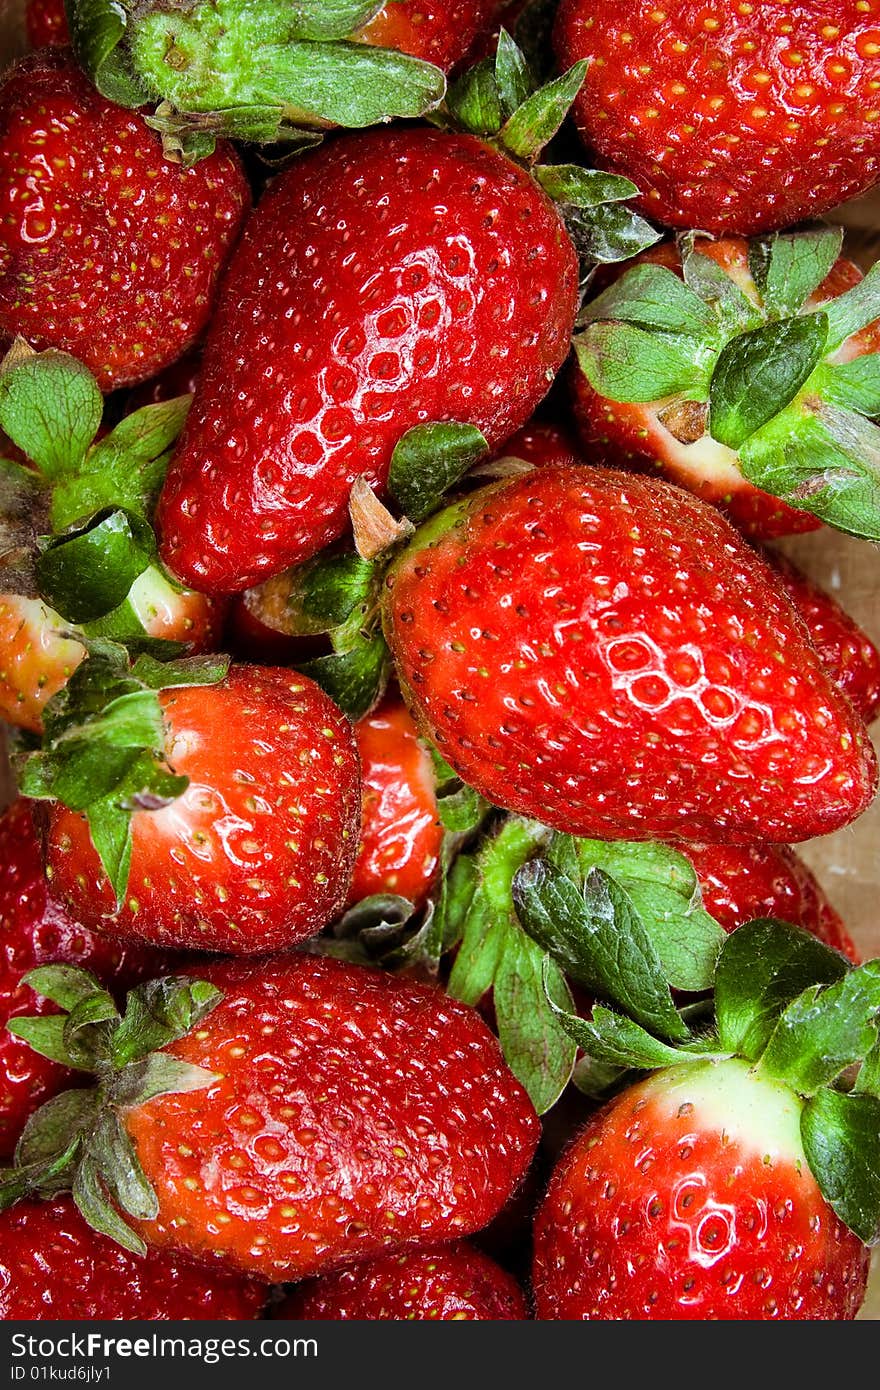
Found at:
(740, 882)
(46, 23)
(848, 653)
(603, 653)
(689, 1197)
(35, 930)
(454, 1283)
(341, 1114)
(542, 442)
(107, 250)
(730, 117)
(358, 306)
(256, 853)
(671, 430)
(400, 831)
(439, 33)
(53, 1266)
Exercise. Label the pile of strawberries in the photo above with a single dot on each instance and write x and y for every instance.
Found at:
(409, 715)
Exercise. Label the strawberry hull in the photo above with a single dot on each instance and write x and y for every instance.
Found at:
(384, 282)
(604, 653)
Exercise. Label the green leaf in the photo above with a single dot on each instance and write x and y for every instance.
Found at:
(175, 675)
(50, 406)
(652, 297)
(159, 1013)
(52, 1131)
(458, 886)
(583, 188)
(474, 101)
(97, 28)
(759, 373)
(64, 985)
(536, 1047)
(429, 460)
(331, 19)
(823, 1031)
(330, 588)
(664, 890)
(868, 1079)
(88, 574)
(732, 308)
(854, 310)
(617, 1041)
(94, 1206)
(459, 807)
(536, 121)
(160, 1074)
(355, 678)
(113, 1154)
(45, 1035)
(763, 966)
(110, 831)
(853, 385)
(594, 1078)
(612, 232)
(841, 1138)
(788, 267)
(599, 939)
(514, 81)
(626, 363)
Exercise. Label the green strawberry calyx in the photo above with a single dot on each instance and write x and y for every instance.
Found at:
(77, 1142)
(103, 751)
(760, 363)
(799, 1013)
(500, 101)
(282, 70)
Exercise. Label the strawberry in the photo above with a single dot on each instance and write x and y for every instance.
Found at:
(315, 1113)
(674, 376)
(848, 653)
(36, 930)
(454, 1283)
(739, 882)
(730, 118)
(739, 1181)
(46, 23)
(107, 250)
(603, 652)
(401, 834)
(437, 32)
(542, 442)
(690, 1197)
(54, 1266)
(254, 854)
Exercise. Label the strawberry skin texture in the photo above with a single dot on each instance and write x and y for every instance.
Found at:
(390, 279)
(401, 835)
(542, 443)
(730, 120)
(35, 661)
(604, 653)
(257, 852)
(55, 1267)
(46, 23)
(742, 882)
(439, 33)
(35, 930)
(849, 654)
(688, 1197)
(454, 1283)
(357, 1113)
(107, 250)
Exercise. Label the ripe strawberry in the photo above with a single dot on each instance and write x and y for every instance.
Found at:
(34, 931)
(46, 23)
(256, 853)
(603, 653)
(454, 1283)
(542, 442)
(401, 834)
(36, 661)
(353, 311)
(54, 1266)
(775, 474)
(731, 118)
(107, 250)
(846, 651)
(339, 1114)
(741, 882)
(689, 1197)
(436, 32)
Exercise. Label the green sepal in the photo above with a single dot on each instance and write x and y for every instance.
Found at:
(64, 985)
(474, 102)
(536, 1047)
(841, 1138)
(86, 575)
(326, 592)
(536, 121)
(45, 1035)
(868, 1079)
(583, 188)
(50, 406)
(189, 136)
(331, 19)
(651, 296)
(628, 363)
(824, 1030)
(850, 312)
(355, 677)
(54, 1129)
(788, 267)
(93, 1203)
(618, 1041)
(428, 461)
(97, 30)
(460, 809)
(734, 312)
(210, 669)
(596, 1079)
(853, 385)
(762, 967)
(595, 933)
(113, 1153)
(512, 76)
(606, 234)
(759, 373)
